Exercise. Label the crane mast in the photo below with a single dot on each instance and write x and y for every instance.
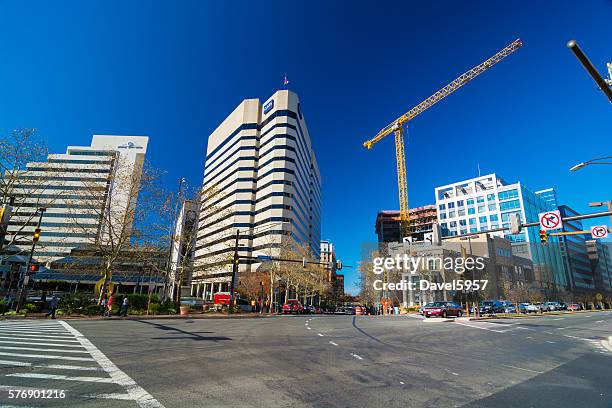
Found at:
(397, 126)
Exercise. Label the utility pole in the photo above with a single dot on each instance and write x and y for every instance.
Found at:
(235, 262)
(26, 277)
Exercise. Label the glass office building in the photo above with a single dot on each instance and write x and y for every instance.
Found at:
(486, 203)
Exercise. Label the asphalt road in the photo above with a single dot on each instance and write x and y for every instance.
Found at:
(310, 361)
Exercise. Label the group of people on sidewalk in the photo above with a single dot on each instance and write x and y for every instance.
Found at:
(106, 306)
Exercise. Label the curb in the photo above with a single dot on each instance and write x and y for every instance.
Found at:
(143, 317)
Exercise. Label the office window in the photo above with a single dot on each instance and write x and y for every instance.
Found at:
(507, 195)
(472, 221)
(451, 214)
(493, 217)
(480, 199)
(473, 230)
(483, 220)
(463, 231)
(461, 212)
(471, 210)
(492, 206)
(460, 203)
(470, 201)
(442, 207)
(490, 197)
(509, 205)
(481, 208)
(462, 223)
(451, 205)
(453, 224)
(442, 216)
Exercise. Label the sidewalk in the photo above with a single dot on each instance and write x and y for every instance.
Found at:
(41, 316)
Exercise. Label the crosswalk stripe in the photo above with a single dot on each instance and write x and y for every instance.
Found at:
(36, 343)
(42, 349)
(53, 366)
(68, 338)
(62, 377)
(46, 338)
(51, 357)
(35, 330)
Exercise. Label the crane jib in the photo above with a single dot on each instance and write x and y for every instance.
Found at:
(444, 92)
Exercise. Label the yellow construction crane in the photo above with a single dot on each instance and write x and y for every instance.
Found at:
(397, 126)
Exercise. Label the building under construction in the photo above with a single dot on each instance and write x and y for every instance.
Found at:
(389, 224)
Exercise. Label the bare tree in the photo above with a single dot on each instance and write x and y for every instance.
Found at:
(23, 189)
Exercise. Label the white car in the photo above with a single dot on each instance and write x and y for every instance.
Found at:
(528, 308)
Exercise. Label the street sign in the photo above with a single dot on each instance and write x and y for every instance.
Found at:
(599, 231)
(264, 258)
(599, 297)
(550, 220)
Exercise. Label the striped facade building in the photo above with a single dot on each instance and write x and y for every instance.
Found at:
(261, 178)
(73, 188)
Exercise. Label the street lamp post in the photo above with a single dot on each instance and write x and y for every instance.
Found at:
(469, 240)
(25, 278)
(592, 161)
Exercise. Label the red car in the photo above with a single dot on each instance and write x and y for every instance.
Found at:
(293, 306)
(442, 309)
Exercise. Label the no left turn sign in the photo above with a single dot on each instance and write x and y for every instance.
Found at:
(599, 231)
(550, 220)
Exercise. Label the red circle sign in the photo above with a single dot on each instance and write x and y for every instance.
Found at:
(599, 232)
(550, 220)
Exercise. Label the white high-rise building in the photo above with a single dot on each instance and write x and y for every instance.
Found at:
(74, 188)
(261, 178)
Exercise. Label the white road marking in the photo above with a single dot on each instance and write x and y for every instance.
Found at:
(46, 356)
(551, 342)
(561, 328)
(559, 318)
(524, 369)
(332, 343)
(54, 366)
(37, 336)
(599, 321)
(356, 356)
(478, 327)
(62, 377)
(319, 334)
(401, 382)
(571, 337)
(43, 349)
(125, 397)
(309, 328)
(36, 343)
(547, 332)
(529, 337)
(138, 394)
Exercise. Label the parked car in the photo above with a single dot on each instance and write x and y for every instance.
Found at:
(293, 306)
(528, 308)
(508, 306)
(491, 307)
(442, 309)
(308, 309)
(423, 307)
(349, 310)
(574, 307)
(552, 306)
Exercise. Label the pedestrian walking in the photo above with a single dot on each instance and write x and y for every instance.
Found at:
(109, 305)
(124, 307)
(103, 305)
(53, 306)
(253, 305)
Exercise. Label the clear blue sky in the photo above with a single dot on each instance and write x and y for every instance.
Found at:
(173, 70)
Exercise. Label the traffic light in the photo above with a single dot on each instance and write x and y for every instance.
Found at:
(338, 264)
(33, 269)
(543, 237)
(36, 235)
(515, 223)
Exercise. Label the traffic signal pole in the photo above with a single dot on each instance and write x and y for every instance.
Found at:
(235, 262)
(25, 277)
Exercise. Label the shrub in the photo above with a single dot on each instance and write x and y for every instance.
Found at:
(3, 306)
(30, 308)
(75, 302)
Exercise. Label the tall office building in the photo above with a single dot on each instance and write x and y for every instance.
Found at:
(261, 178)
(335, 279)
(486, 202)
(74, 188)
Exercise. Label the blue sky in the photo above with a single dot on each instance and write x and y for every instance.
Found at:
(173, 70)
